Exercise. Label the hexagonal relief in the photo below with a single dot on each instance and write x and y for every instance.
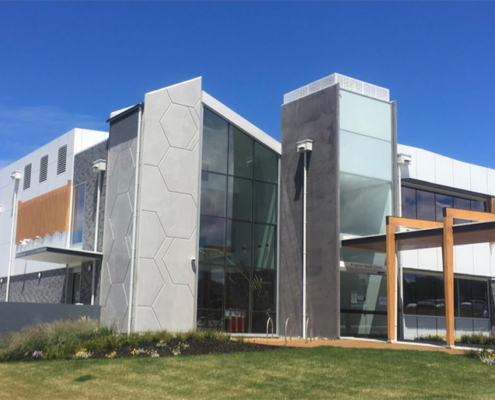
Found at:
(179, 126)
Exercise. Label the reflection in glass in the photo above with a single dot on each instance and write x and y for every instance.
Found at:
(363, 304)
(213, 194)
(409, 289)
(237, 288)
(265, 249)
(464, 298)
(264, 285)
(241, 157)
(408, 202)
(211, 283)
(212, 240)
(425, 205)
(78, 215)
(477, 205)
(266, 164)
(265, 202)
(479, 299)
(442, 201)
(240, 199)
(238, 244)
(215, 142)
(364, 204)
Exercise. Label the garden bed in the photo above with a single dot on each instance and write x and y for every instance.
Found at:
(62, 340)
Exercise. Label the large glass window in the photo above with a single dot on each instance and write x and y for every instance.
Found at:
(238, 230)
(424, 295)
(427, 205)
(78, 215)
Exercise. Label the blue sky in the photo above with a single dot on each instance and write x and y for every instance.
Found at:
(69, 64)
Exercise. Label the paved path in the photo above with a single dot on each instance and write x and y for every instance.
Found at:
(357, 343)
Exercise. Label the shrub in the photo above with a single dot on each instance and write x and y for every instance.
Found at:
(478, 339)
(83, 338)
(437, 338)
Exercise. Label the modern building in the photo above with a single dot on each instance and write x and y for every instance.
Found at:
(188, 216)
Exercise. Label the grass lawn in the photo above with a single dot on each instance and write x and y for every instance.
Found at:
(316, 373)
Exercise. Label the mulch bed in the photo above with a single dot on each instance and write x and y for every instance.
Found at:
(176, 347)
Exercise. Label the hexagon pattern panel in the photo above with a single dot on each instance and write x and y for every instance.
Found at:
(117, 241)
(169, 195)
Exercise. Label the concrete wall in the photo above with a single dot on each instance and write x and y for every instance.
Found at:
(83, 173)
(117, 240)
(168, 201)
(14, 316)
(313, 117)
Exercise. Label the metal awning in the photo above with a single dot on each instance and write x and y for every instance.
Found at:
(59, 255)
(469, 233)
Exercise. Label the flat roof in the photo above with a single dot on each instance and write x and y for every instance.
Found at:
(468, 233)
(59, 255)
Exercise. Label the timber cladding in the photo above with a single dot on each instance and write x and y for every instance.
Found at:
(45, 214)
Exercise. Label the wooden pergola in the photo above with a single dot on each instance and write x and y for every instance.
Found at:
(427, 234)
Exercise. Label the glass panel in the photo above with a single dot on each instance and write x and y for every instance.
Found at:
(215, 142)
(240, 199)
(362, 256)
(259, 321)
(425, 205)
(78, 215)
(366, 116)
(237, 282)
(210, 319)
(212, 240)
(240, 154)
(409, 287)
(238, 246)
(213, 194)
(425, 292)
(363, 303)
(477, 205)
(462, 204)
(265, 202)
(463, 301)
(263, 289)
(479, 299)
(266, 164)
(439, 296)
(408, 202)
(211, 283)
(362, 155)
(364, 204)
(441, 202)
(265, 246)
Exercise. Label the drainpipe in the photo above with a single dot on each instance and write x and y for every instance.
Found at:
(16, 176)
(304, 147)
(98, 166)
(134, 223)
(402, 160)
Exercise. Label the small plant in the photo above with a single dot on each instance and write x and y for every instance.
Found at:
(437, 338)
(82, 354)
(37, 354)
(176, 351)
(137, 352)
(113, 354)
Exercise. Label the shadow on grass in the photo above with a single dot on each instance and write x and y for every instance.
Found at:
(84, 378)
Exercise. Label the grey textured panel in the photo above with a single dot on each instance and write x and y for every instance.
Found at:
(169, 191)
(83, 173)
(15, 316)
(314, 117)
(120, 181)
(28, 288)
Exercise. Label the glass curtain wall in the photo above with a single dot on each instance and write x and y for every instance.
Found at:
(78, 216)
(238, 230)
(428, 205)
(424, 295)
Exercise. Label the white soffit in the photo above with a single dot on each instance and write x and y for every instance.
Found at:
(242, 123)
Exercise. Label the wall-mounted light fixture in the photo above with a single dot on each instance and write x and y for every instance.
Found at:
(90, 267)
(39, 275)
(1, 280)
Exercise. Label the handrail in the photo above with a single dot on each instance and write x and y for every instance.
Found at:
(309, 324)
(287, 321)
(268, 324)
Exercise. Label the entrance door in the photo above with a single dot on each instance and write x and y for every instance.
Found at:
(363, 305)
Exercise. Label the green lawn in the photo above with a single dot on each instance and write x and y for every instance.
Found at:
(316, 373)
